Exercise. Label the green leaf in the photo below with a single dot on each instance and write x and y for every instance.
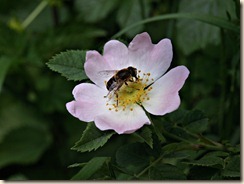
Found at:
(55, 93)
(166, 172)
(92, 138)
(183, 124)
(183, 134)
(4, 66)
(24, 135)
(90, 168)
(179, 150)
(208, 161)
(230, 173)
(132, 157)
(77, 165)
(158, 129)
(24, 145)
(14, 115)
(232, 169)
(104, 173)
(196, 121)
(172, 147)
(202, 173)
(145, 135)
(129, 13)
(95, 10)
(217, 154)
(193, 35)
(123, 176)
(18, 177)
(70, 64)
(177, 117)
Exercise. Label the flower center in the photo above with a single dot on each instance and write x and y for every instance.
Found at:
(133, 93)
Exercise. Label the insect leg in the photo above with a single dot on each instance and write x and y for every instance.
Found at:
(117, 97)
(107, 94)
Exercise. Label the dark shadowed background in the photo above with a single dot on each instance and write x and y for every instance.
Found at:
(37, 132)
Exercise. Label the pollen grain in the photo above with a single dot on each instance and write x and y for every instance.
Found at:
(134, 93)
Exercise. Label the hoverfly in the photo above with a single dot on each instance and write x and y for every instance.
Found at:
(119, 78)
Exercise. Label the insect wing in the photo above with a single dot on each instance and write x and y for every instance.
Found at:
(107, 73)
(113, 86)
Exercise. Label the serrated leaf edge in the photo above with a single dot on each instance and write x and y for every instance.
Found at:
(77, 148)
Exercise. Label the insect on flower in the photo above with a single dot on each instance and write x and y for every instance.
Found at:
(120, 77)
(127, 82)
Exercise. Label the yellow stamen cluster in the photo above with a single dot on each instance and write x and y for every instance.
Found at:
(134, 93)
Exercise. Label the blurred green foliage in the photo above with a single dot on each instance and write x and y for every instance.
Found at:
(37, 132)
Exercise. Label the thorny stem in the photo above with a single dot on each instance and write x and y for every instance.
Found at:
(34, 14)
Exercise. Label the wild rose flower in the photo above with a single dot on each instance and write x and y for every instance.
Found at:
(158, 94)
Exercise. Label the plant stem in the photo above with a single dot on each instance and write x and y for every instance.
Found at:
(211, 145)
(148, 167)
(212, 20)
(34, 14)
(205, 142)
(173, 136)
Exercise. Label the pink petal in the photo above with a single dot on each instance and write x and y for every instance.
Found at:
(89, 102)
(150, 58)
(116, 54)
(141, 42)
(93, 65)
(164, 97)
(122, 121)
